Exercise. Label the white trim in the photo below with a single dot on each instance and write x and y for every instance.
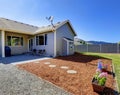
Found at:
(38, 39)
(54, 43)
(3, 43)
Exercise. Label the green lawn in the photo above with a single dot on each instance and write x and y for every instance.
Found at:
(115, 60)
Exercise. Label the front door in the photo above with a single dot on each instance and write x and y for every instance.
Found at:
(30, 44)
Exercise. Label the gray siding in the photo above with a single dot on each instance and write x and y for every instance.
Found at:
(0, 45)
(63, 31)
(50, 45)
(18, 49)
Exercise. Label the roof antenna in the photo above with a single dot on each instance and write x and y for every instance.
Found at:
(51, 20)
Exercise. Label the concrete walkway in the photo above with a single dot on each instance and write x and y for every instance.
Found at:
(14, 81)
(21, 59)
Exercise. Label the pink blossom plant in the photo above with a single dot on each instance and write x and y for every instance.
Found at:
(103, 74)
(100, 77)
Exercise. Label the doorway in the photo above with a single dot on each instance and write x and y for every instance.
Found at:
(30, 44)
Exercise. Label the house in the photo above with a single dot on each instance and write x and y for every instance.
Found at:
(78, 41)
(22, 38)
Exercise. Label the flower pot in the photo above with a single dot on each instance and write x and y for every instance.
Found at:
(104, 70)
(96, 87)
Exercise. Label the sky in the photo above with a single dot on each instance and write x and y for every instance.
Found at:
(97, 20)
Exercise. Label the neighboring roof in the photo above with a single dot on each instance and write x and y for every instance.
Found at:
(68, 39)
(14, 26)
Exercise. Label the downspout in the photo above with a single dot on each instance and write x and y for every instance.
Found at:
(67, 47)
(54, 43)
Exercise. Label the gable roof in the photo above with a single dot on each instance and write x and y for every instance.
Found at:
(15, 26)
(56, 26)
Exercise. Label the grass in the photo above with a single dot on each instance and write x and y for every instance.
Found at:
(115, 60)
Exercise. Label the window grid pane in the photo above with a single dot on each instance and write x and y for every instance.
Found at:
(9, 40)
(14, 41)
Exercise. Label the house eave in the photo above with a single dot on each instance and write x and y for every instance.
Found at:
(16, 31)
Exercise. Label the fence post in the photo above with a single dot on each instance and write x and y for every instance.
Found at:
(100, 48)
(117, 47)
(87, 47)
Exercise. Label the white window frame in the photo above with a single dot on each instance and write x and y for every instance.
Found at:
(16, 45)
(37, 44)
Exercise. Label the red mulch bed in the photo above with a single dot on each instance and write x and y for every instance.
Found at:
(78, 84)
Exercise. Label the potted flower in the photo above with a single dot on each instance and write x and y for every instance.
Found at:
(99, 80)
(104, 67)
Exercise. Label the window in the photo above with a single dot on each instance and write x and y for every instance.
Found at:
(41, 40)
(9, 40)
(14, 41)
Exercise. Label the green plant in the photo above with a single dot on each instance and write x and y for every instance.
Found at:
(100, 77)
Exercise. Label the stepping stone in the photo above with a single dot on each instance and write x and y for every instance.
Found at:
(37, 62)
(52, 66)
(64, 67)
(47, 63)
(71, 71)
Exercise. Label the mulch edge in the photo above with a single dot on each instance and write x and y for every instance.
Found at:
(46, 81)
(116, 82)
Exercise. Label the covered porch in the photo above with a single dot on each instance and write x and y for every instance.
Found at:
(17, 42)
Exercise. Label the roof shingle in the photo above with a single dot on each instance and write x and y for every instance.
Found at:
(15, 26)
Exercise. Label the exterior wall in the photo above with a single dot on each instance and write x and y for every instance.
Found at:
(18, 49)
(63, 31)
(49, 48)
(0, 45)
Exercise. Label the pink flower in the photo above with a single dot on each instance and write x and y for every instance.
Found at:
(104, 66)
(103, 74)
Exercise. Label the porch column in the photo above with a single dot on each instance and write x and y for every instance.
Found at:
(3, 43)
(55, 43)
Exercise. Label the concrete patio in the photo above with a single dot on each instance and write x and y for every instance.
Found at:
(18, 59)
